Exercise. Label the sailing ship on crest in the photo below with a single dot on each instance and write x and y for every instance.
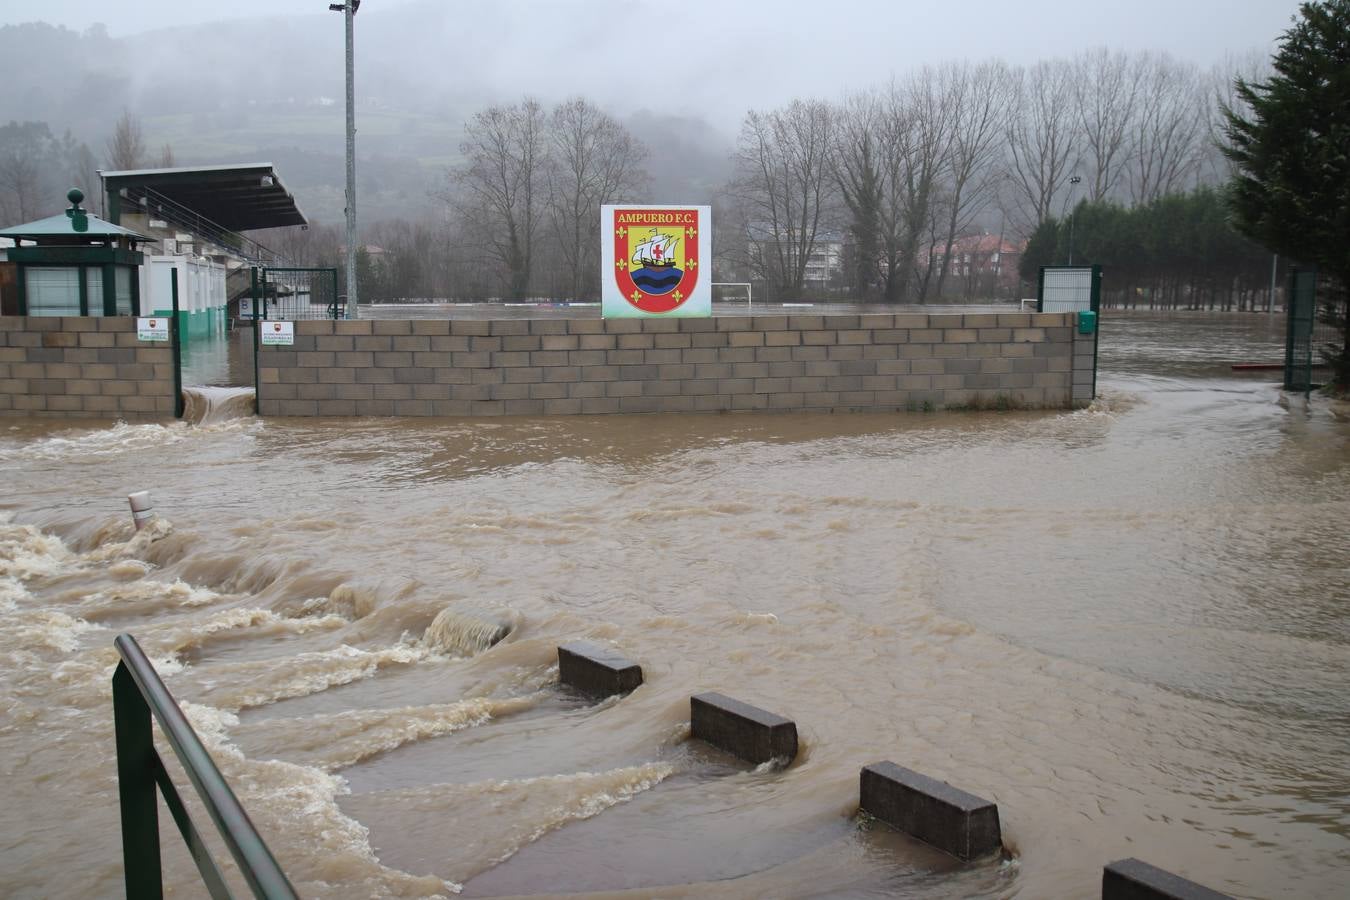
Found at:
(657, 252)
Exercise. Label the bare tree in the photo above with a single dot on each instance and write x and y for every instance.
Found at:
(313, 245)
(1171, 126)
(84, 175)
(23, 188)
(37, 168)
(892, 152)
(896, 142)
(1107, 101)
(506, 150)
(783, 181)
(918, 149)
(1042, 136)
(166, 158)
(126, 147)
(857, 170)
(1252, 67)
(593, 161)
(976, 99)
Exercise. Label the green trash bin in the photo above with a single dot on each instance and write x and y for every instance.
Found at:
(1087, 322)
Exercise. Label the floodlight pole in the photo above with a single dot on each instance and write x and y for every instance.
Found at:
(349, 13)
(1073, 185)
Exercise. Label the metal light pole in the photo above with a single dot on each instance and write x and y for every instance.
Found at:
(348, 8)
(1073, 184)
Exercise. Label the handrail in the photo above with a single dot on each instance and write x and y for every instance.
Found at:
(138, 693)
(176, 213)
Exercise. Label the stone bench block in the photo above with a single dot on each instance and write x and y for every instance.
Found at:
(742, 730)
(933, 811)
(596, 670)
(1133, 879)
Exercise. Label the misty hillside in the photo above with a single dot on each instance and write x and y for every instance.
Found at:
(271, 89)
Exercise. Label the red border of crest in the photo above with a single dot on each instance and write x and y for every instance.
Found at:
(655, 303)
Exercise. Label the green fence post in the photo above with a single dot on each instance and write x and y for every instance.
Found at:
(1292, 275)
(1301, 305)
(136, 788)
(177, 336)
(257, 383)
(1096, 305)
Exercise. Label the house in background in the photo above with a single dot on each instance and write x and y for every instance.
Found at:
(825, 271)
(981, 267)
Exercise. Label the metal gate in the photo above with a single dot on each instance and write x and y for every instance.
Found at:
(1298, 342)
(1076, 289)
(292, 294)
(289, 295)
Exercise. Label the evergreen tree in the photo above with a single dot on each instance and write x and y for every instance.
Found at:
(1040, 250)
(1291, 155)
(1178, 251)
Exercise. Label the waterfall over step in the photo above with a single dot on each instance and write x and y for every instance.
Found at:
(211, 405)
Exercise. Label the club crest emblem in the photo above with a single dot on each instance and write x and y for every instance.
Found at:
(655, 259)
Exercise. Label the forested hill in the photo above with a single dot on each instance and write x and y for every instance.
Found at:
(271, 89)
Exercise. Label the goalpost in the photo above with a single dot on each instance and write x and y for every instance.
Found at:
(749, 291)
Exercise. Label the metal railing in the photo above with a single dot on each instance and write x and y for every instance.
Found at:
(138, 693)
(156, 205)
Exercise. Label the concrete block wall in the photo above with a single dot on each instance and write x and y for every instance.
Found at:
(460, 367)
(83, 367)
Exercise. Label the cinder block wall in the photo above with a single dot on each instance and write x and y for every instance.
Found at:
(573, 366)
(82, 367)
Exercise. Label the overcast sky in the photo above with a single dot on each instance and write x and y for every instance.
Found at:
(708, 58)
(927, 29)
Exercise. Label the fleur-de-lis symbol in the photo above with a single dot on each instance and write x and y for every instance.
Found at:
(678, 296)
(691, 264)
(621, 264)
(692, 232)
(637, 296)
(621, 232)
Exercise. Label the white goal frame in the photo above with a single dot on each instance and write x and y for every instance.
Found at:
(749, 290)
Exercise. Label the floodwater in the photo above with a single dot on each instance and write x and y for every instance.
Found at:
(1127, 625)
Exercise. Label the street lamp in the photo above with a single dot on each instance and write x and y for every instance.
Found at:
(348, 8)
(1073, 184)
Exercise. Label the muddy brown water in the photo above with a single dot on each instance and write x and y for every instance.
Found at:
(1127, 625)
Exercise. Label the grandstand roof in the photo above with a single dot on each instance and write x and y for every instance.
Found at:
(240, 197)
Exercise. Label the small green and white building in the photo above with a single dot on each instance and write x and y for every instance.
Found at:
(162, 224)
(73, 264)
(202, 298)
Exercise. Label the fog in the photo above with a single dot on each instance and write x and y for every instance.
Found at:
(256, 80)
(710, 58)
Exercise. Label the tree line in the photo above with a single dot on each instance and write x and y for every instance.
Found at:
(38, 166)
(883, 184)
(889, 180)
(908, 169)
(1179, 251)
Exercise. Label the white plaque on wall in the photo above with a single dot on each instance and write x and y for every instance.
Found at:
(277, 334)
